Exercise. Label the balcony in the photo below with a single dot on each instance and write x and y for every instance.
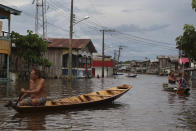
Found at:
(4, 46)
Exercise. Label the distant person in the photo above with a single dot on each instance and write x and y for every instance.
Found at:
(37, 90)
(172, 79)
(98, 76)
(182, 81)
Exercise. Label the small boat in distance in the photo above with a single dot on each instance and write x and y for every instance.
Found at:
(131, 75)
(81, 101)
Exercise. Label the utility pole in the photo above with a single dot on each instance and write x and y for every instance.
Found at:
(36, 15)
(103, 31)
(43, 19)
(42, 4)
(70, 43)
(114, 54)
(120, 48)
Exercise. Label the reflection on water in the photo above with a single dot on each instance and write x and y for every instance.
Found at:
(145, 107)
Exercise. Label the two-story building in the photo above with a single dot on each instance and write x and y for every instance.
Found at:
(58, 54)
(167, 63)
(5, 44)
(109, 65)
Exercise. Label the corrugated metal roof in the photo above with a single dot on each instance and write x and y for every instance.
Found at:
(64, 43)
(9, 10)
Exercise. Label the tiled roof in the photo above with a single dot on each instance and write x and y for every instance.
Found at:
(64, 43)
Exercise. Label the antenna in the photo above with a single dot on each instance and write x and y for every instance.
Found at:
(40, 7)
(33, 2)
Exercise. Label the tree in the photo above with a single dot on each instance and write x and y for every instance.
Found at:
(187, 41)
(194, 4)
(31, 48)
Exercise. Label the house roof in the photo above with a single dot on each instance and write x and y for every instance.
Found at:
(76, 43)
(5, 11)
(162, 57)
(173, 58)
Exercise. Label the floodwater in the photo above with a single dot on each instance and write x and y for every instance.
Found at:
(146, 107)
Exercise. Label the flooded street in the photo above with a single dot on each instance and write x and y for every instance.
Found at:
(145, 107)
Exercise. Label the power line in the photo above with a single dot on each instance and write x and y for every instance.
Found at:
(144, 38)
(146, 42)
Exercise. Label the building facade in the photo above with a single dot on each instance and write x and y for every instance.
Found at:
(5, 44)
(109, 65)
(58, 54)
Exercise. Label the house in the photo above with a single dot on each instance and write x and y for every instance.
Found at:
(58, 53)
(167, 63)
(124, 67)
(109, 65)
(5, 44)
(183, 58)
(152, 67)
(138, 66)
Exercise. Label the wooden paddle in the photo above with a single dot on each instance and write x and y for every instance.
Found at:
(21, 94)
(10, 103)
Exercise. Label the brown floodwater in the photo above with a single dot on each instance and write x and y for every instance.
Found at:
(146, 107)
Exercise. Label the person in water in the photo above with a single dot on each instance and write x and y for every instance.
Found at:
(37, 90)
(182, 82)
(172, 79)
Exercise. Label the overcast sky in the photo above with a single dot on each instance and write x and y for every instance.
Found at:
(145, 28)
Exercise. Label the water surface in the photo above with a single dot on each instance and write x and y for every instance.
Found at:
(145, 107)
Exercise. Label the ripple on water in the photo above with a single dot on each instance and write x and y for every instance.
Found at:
(145, 107)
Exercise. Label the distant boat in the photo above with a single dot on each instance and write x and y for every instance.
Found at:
(118, 74)
(131, 75)
(85, 100)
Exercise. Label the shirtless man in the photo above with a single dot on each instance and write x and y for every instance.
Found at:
(37, 90)
(172, 79)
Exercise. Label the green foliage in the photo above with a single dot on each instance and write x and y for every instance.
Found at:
(31, 48)
(126, 62)
(194, 4)
(187, 41)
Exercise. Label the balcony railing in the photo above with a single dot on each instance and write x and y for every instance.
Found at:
(4, 45)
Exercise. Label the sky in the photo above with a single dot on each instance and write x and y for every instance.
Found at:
(143, 28)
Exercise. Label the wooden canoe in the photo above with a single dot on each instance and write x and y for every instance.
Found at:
(84, 101)
(170, 87)
(132, 75)
(183, 91)
(174, 88)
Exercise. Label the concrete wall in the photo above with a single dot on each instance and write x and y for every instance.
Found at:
(108, 71)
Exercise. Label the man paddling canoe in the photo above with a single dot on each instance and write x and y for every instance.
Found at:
(37, 90)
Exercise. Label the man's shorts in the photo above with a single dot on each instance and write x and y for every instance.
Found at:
(41, 100)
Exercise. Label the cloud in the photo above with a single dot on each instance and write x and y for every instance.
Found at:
(153, 19)
(136, 28)
(16, 3)
(131, 10)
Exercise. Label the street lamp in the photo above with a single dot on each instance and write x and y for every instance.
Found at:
(70, 41)
(86, 17)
